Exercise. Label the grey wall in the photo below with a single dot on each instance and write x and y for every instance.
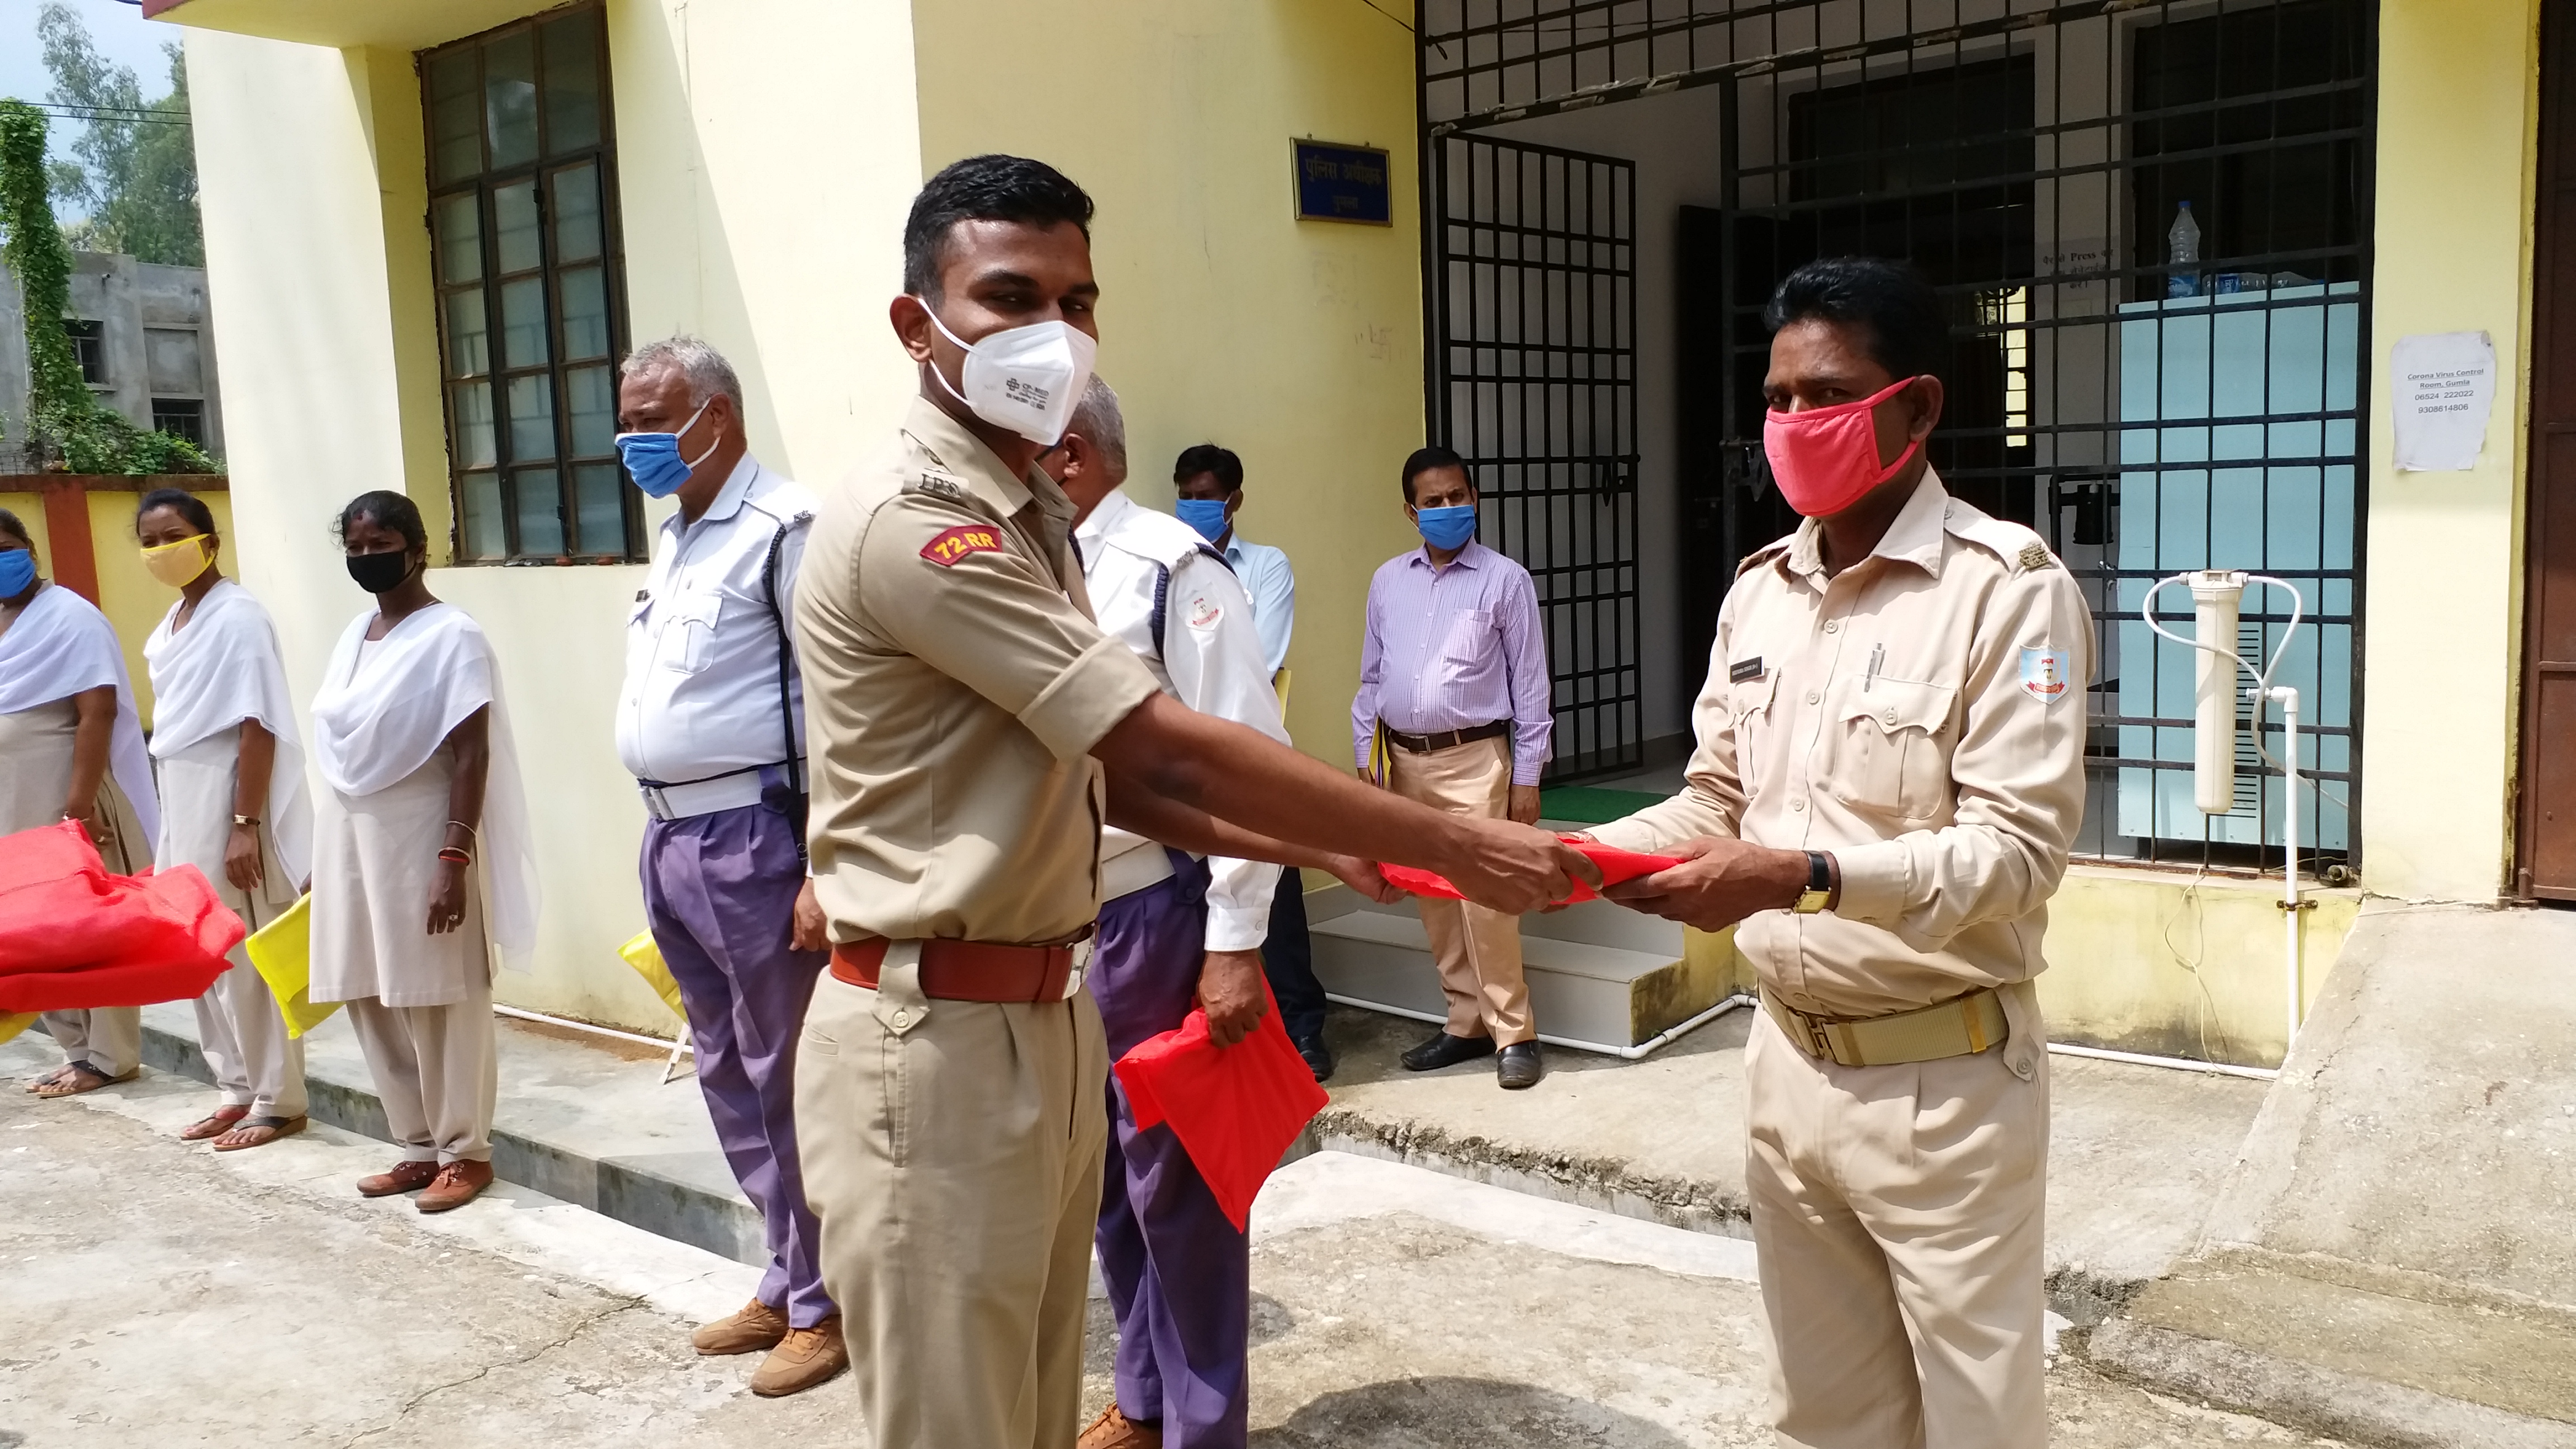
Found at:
(158, 330)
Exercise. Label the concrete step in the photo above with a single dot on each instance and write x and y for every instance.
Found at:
(1601, 977)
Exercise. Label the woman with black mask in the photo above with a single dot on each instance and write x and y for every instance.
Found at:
(423, 879)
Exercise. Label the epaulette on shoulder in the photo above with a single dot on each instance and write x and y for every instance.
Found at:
(928, 481)
(1762, 555)
(2021, 549)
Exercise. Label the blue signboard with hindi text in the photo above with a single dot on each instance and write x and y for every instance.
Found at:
(1343, 183)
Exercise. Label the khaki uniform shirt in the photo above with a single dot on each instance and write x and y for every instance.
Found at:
(1920, 716)
(954, 686)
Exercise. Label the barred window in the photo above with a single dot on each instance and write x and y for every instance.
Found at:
(522, 215)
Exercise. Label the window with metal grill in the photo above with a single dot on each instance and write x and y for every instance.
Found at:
(523, 232)
(89, 348)
(180, 417)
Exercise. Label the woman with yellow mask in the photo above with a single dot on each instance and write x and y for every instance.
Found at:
(232, 802)
(71, 748)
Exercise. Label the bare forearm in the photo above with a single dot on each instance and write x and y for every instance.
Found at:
(471, 741)
(1262, 787)
(251, 771)
(1135, 805)
(90, 739)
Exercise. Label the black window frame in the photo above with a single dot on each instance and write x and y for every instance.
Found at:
(89, 349)
(539, 171)
(180, 417)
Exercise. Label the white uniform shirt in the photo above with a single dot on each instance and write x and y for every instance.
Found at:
(1211, 660)
(701, 695)
(1272, 584)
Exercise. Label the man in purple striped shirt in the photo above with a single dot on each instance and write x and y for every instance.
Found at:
(1453, 671)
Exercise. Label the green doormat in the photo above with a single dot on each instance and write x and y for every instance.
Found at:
(1590, 805)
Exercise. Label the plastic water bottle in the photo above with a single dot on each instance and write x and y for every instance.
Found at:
(2182, 253)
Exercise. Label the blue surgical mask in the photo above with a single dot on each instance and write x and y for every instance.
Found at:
(1207, 515)
(1447, 528)
(17, 571)
(653, 459)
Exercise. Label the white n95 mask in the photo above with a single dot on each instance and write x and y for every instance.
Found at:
(1026, 379)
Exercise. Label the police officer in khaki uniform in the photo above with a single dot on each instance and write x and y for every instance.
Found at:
(1890, 769)
(971, 730)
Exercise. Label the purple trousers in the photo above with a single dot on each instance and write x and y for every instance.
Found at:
(720, 896)
(1179, 1275)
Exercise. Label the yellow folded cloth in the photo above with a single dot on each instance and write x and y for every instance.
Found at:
(282, 953)
(646, 958)
(14, 1022)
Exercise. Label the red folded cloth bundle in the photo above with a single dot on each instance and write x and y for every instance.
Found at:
(73, 936)
(1236, 1109)
(1616, 865)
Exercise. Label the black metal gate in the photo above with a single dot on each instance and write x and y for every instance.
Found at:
(2151, 220)
(1532, 379)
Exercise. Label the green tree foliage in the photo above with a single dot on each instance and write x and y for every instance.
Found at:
(135, 173)
(65, 424)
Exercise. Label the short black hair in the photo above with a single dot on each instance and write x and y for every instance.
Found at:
(1909, 334)
(10, 525)
(385, 510)
(179, 500)
(1423, 460)
(984, 188)
(1209, 458)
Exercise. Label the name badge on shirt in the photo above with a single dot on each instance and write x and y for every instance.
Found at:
(1744, 669)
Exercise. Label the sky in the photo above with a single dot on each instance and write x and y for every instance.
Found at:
(118, 30)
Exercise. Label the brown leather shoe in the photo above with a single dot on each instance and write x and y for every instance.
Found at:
(754, 1327)
(457, 1184)
(804, 1358)
(1114, 1430)
(405, 1177)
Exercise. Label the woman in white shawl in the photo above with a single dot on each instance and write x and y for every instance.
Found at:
(232, 803)
(422, 877)
(72, 749)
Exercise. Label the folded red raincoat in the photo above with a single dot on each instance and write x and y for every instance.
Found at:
(72, 936)
(1236, 1109)
(1617, 866)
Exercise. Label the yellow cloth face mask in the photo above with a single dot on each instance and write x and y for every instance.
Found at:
(179, 564)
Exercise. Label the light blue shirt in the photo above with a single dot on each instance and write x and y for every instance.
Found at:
(1272, 584)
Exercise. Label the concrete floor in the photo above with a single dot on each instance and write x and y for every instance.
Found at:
(159, 1294)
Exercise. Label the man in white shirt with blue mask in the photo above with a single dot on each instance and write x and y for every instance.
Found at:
(1175, 931)
(710, 723)
(1209, 482)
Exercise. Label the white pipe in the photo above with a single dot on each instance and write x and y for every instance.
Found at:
(2179, 1064)
(1626, 1053)
(568, 1023)
(2289, 699)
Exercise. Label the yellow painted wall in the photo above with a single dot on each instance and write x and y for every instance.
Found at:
(130, 598)
(1297, 344)
(312, 170)
(2458, 88)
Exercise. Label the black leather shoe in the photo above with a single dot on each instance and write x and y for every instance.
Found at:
(1444, 1050)
(1319, 1057)
(1520, 1066)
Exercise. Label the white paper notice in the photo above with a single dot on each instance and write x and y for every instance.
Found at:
(2444, 393)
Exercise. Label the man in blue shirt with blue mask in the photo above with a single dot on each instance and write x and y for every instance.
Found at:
(1209, 482)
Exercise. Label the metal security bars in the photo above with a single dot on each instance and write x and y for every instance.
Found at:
(2152, 224)
(1533, 381)
(523, 232)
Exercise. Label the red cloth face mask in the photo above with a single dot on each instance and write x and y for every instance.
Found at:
(1826, 459)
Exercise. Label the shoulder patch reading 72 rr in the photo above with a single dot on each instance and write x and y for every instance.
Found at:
(1744, 669)
(946, 549)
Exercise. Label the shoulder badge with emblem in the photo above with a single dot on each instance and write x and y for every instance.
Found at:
(938, 485)
(2044, 674)
(948, 547)
(2033, 556)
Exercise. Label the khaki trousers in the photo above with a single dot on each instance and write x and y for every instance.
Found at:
(1897, 1217)
(437, 1070)
(255, 1063)
(109, 1038)
(952, 1150)
(1478, 951)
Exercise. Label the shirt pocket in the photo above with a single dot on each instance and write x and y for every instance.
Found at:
(1888, 748)
(1468, 641)
(1748, 712)
(688, 632)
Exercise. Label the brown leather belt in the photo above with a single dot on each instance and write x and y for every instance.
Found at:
(967, 970)
(1446, 739)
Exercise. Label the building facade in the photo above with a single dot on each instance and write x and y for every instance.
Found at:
(144, 336)
(2180, 242)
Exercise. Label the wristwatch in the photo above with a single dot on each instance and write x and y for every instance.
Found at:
(1820, 884)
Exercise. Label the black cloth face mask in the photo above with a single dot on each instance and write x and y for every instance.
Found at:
(379, 573)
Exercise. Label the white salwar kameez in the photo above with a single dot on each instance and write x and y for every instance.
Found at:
(62, 646)
(225, 667)
(421, 1003)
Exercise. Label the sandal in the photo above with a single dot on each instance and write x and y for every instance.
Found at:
(214, 1124)
(81, 1077)
(259, 1132)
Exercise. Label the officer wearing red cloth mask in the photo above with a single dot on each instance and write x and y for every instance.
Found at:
(1890, 768)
